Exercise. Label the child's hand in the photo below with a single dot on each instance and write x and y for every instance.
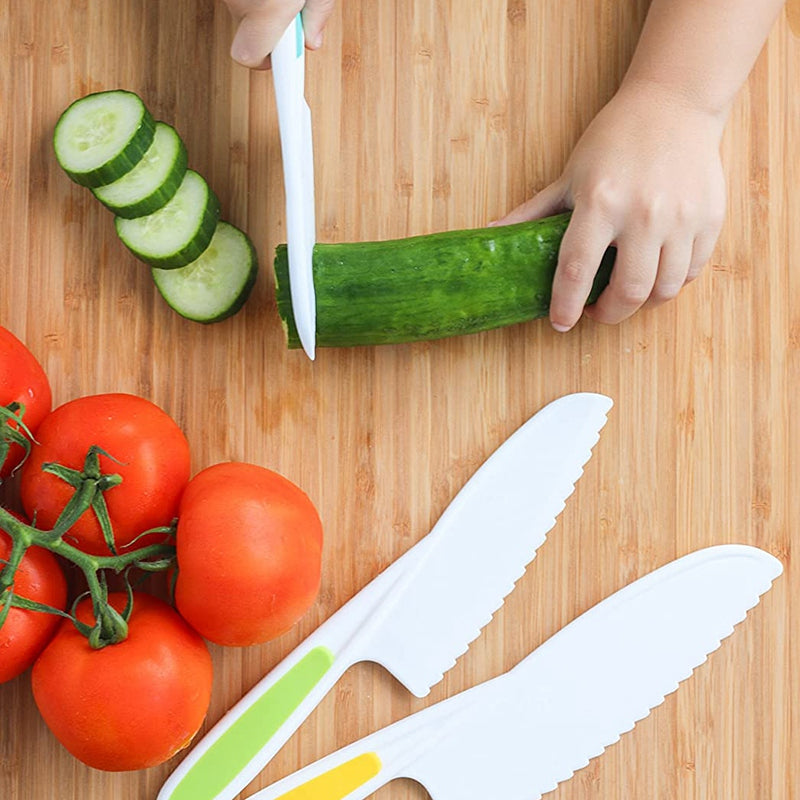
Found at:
(646, 177)
(261, 23)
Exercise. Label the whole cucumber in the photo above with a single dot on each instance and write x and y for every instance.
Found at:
(432, 286)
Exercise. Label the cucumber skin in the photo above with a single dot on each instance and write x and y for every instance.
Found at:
(237, 304)
(432, 286)
(193, 249)
(124, 162)
(159, 197)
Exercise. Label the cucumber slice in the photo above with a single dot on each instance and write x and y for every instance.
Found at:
(216, 285)
(153, 182)
(178, 233)
(102, 136)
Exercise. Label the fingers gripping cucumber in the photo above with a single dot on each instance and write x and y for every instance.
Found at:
(433, 286)
(102, 136)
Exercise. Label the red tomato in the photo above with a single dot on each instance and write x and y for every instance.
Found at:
(23, 381)
(249, 549)
(24, 634)
(130, 705)
(155, 467)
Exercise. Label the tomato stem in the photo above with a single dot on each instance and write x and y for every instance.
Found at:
(110, 625)
(15, 431)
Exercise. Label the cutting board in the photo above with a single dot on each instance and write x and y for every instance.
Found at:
(431, 116)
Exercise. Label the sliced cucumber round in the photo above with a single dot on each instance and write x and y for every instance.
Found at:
(177, 233)
(103, 136)
(216, 285)
(152, 183)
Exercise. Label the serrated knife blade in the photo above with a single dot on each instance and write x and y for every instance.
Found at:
(518, 736)
(420, 613)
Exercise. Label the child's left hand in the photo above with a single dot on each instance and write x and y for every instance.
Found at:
(646, 177)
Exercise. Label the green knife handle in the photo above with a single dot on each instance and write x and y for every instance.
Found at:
(237, 748)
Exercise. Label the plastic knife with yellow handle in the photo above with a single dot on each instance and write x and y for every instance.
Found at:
(518, 736)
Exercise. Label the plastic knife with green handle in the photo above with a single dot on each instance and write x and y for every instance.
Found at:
(518, 736)
(421, 613)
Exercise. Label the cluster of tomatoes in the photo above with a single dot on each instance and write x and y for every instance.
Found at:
(121, 676)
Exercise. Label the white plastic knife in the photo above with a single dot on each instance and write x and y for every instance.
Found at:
(518, 736)
(421, 613)
(294, 122)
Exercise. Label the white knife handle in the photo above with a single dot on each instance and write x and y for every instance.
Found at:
(235, 750)
(238, 747)
(356, 771)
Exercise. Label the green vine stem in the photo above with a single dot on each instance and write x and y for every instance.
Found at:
(14, 431)
(110, 625)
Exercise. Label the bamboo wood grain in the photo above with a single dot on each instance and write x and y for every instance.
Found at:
(428, 116)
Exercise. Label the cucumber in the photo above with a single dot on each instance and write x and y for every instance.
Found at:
(102, 136)
(152, 183)
(433, 286)
(177, 233)
(216, 285)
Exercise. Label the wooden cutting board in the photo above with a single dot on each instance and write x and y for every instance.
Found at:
(431, 116)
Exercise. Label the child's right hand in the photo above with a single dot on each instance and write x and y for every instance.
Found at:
(261, 24)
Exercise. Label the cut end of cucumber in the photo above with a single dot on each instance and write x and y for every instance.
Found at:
(152, 183)
(215, 285)
(102, 136)
(177, 233)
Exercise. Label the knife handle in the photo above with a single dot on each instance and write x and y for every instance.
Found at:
(238, 747)
(359, 769)
(353, 778)
(233, 752)
(396, 751)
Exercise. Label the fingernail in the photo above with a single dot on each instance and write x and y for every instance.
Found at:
(240, 54)
(559, 327)
(317, 41)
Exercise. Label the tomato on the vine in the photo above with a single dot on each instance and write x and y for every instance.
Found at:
(24, 633)
(249, 548)
(130, 705)
(22, 381)
(149, 451)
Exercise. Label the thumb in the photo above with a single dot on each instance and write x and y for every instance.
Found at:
(259, 31)
(549, 201)
(315, 17)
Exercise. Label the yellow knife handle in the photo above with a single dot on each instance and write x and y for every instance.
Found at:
(338, 782)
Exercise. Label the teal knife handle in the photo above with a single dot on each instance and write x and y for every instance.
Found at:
(299, 35)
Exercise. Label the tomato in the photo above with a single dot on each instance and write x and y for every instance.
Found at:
(249, 548)
(130, 705)
(23, 381)
(155, 467)
(24, 633)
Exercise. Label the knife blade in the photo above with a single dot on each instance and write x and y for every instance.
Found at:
(294, 124)
(418, 615)
(518, 736)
